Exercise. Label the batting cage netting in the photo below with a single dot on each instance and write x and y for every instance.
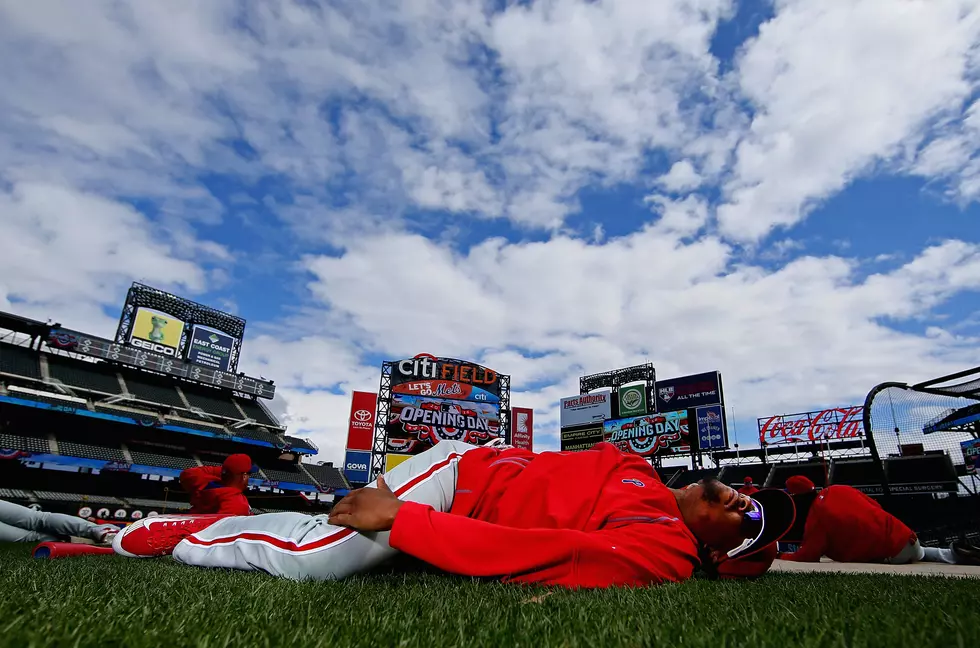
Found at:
(928, 439)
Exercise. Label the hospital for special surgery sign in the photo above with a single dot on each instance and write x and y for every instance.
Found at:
(585, 409)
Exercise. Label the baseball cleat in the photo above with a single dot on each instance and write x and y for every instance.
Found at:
(157, 536)
(966, 554)
(105, 533)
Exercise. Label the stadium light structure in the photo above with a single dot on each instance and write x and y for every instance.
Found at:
(613, 379)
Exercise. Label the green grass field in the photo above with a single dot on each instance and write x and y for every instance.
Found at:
(110, 601)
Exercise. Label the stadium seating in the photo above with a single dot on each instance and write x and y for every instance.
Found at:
(197, 425)
(25, 443)
(259, 434)
(213, 404)
(254, 410)
(691, 476)
(930, 468)
(299, 444)
(123, 410)
(19, 361)
(165, 457)
(855, 472)
(87, 451)
(158, 504)
(35, 393)
(289, 475)
(668, 473)
(326, 476)
(153, 393)
(88, 376)
(735, 475)
(76, 497)
(815, 471)
(13, 493)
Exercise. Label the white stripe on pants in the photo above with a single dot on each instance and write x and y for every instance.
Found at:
(300, 546)
(22, 524)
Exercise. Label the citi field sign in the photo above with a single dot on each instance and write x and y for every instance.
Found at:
(427, 373)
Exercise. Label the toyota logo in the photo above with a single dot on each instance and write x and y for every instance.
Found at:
(362, 415)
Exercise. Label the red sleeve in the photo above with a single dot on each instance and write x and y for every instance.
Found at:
(232, 502)
(194, 480)
(637, 554)
(814, 539)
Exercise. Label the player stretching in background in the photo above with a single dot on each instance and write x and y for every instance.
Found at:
(219, 489)
(846, 525)
(588, 519)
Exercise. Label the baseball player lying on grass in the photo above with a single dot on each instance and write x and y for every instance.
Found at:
(587, 519)
(846, 525)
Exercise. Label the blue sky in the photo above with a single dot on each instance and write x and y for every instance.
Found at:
(785, 191)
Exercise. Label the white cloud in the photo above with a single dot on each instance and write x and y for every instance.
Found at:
(66, 253)
(805, 334)
(681, 177)
(839, 86)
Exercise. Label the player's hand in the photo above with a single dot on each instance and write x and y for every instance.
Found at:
(367, 509)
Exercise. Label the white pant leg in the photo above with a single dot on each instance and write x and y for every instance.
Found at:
(16, 534)
(302, 546)
(910, 553)
(935, 554)
(46, 524)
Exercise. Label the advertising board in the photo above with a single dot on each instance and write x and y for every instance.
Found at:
(586, 408)
(357, 466)
(632, 400)
(971, 455)
(712, 430)
(836, 424)
(393, 460)
(210, 348)
(156, 331)
(427, 368)
(578, 439)
(445, 389)
(696, 390)
(654, 434)
(522, 424)
(416, 423)
(360, 423)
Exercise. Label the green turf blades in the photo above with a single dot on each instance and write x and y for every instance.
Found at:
(110, 601)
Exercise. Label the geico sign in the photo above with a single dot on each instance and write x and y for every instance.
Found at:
(357, 466)
(153, 346)
(426, 366)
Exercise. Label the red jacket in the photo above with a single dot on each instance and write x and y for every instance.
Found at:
(585, 519)
(846, 525)
(209, 496)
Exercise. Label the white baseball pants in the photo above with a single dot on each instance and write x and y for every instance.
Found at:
(22, 524)
(301, 546)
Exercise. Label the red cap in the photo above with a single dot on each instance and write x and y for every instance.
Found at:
(748, 480)
(798, 484)
(238, 463)
(750, 566)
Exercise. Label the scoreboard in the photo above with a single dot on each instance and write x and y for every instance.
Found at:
(69, 340)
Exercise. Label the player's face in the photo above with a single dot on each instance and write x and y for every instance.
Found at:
(718, 515)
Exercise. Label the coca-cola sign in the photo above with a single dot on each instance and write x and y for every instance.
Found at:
(837, 424)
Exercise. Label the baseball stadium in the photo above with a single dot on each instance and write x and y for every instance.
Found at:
(489, 323)
(102, 439)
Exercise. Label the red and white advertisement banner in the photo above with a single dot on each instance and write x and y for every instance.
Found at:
(837, 424)
(522, 428)
(360, 425)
